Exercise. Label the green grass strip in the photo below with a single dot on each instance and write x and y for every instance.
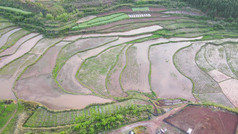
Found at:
(15, 10)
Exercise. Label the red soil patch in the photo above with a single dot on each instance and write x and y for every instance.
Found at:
(204, 120)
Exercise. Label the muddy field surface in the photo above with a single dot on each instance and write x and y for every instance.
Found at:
(9, 74)
(14, 48)
(3, 38)
(66, 77)
(46, 64)
(166, 81)
(43, 89)
(113, 85)
(24, 48)
(204, 120)
(204, 85)
(230, 89)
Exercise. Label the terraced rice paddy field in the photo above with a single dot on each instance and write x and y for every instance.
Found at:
(122, 61)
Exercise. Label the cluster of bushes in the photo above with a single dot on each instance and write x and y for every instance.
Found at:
(100, 122)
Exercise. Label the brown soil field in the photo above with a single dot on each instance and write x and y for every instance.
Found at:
(24, 48)
(67, 79)
(166, 81)
(127, 33)
(138, 20)
(3, 38)
(204, 120)
(43, 89)
(46, 64)
(14, 48)
(230, 89)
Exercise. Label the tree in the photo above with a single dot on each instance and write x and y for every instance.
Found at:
(49, 16)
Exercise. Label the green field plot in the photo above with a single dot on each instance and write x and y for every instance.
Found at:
(94, 70)
(6, 111)
(102, 20)
(12, 39)
(140, 9)
(15, 10)
(45, 118)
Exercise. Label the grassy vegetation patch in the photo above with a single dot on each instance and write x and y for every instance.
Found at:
(45, 118)
(102, 20)
(140, 9)
(6, 111)
(15, 10)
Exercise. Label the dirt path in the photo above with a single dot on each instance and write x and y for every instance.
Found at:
(152, 124)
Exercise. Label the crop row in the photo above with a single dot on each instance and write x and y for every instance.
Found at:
(46, 118)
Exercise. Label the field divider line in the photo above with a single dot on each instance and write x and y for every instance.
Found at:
(56, 71)
(12, 28)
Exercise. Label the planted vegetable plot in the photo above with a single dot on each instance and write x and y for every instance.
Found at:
(45, 118)
(6, 111)
(232, 57)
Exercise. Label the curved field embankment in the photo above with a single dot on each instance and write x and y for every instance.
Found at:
(4, 38)
(204, 86)
(14, 48)
(24, 48)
